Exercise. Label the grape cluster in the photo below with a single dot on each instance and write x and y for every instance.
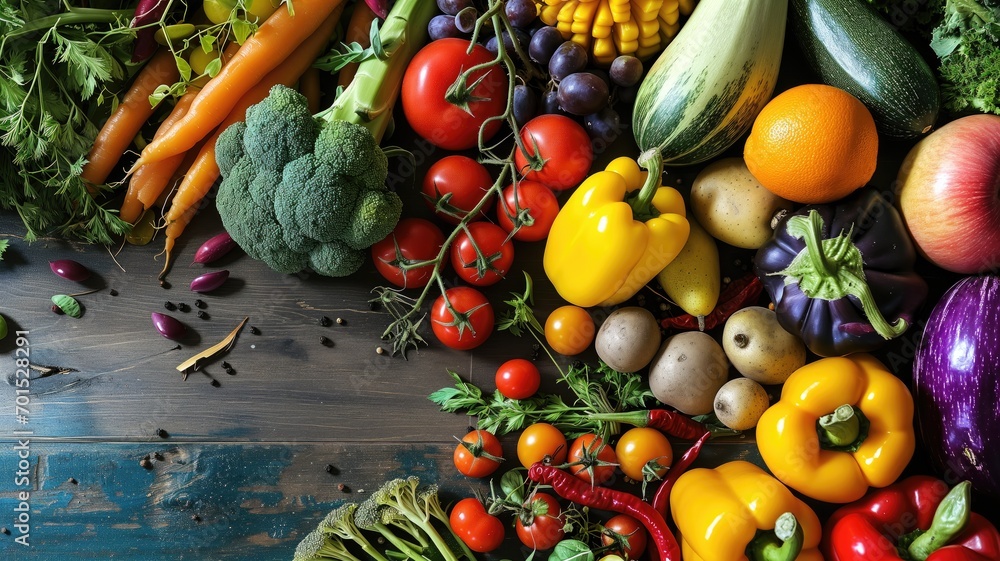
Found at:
(574, 89)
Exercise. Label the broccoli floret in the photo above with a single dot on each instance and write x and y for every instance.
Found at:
(301, 191)
(317, 546)
(417, 506)
(374, 218)
(340, 523)
(229, 147)
(370, 516)
(317, 200)
(279, 129)
(335, 259)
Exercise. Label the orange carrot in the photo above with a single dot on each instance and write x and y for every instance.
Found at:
(204, 170)
(148, 181)
(128, 118)
(276, 39)
(309, 86)
(358, 31)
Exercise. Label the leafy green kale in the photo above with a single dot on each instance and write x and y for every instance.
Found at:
(967, 41)
(3, 248)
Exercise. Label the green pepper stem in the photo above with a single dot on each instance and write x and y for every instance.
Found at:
(949, 520)
(830, 269)
(784, 543)
(840, 428)
(642, 205)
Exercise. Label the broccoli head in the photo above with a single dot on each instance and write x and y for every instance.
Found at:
(299, 191)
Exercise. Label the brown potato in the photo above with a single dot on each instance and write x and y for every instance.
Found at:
(628, 339)
(688, 371)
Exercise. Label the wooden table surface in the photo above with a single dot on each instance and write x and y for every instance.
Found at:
(241, 471)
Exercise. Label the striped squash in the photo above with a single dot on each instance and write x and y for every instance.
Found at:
(706, 88)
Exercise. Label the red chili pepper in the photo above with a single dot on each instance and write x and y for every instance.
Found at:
(661, 500)
(737, 294)
(666, 421)
(579, 491)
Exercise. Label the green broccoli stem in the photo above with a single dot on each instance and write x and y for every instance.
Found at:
(407, 548)
(371, 95)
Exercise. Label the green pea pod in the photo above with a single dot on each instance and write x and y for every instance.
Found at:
(3, 328)
(68, 305)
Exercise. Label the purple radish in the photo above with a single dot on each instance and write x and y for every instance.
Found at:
(168, 326)
(214, 248)
(70, 270)
(209, 281)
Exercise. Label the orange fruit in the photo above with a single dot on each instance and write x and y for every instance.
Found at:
(812, 144)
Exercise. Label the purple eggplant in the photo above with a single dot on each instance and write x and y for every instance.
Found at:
(841, 274)
(209, 281)
(147, 12)
(956, 383)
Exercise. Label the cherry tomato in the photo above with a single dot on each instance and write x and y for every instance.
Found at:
(426, 83)
(540, 526)
(462, 180)
(413, 240)
(559, 153)
(473, 323)
(595, 461)
(518, 379)
(478, 454)
(495, 250)
(569, 330)
(479, 529)
(538, 441)
(538, 206)
(630, 530)
(638, 447)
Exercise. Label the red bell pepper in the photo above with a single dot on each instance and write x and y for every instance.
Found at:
(917, 519)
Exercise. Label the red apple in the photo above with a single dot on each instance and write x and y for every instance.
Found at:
(948, 191)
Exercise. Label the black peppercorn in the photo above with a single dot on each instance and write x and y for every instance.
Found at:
(324, 321)
(169, 305)
(254, 330)
(202, 314)
(162, 433)
(183, 307)
(199, 303)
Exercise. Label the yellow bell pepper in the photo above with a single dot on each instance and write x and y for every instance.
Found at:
(842, 425)
(616, 232)
(737, 512)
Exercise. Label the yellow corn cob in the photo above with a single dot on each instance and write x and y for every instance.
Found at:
(610, 28)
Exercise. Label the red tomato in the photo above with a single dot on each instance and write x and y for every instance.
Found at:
(496, 250)
(426, 83)
(413, 240)
(462, 180)
(640, 446)
(479, 529)
(478, 454)
(569, 330)
(538, 209)
(538, 441)
(467, 323)
(630, 533)
(540, 526)
(559, 153)
(595, 461)
(518, 379)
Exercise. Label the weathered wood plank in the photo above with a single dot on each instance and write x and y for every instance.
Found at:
(206, 501)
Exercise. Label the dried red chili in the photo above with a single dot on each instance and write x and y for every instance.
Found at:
(571, 488)
(739, 293)
(661, 500)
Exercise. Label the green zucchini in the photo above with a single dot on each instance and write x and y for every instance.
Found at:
(851, 47)
(706, 88)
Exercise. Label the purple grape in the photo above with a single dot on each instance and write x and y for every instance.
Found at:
(525, 104)
(543, 43)
(626, 71)
(491, 45)
(602, 74)
(568, 58)
(442, 26)
(583, 93)
(452, 7)
(521, 13)
(168, 326)
(550, 104)
(604, 125)
(465, 21)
